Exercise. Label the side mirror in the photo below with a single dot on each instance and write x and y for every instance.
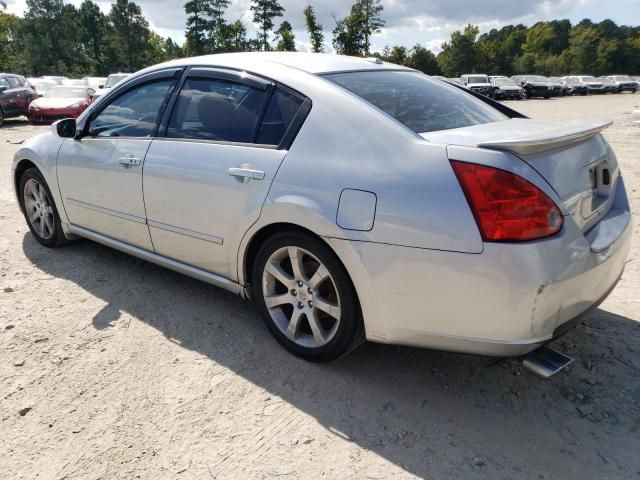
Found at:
(65, 128)
(2, 89)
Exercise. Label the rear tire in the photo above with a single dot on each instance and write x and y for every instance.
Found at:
(306, 297)
(39, 210)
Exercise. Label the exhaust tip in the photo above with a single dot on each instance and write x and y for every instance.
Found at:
(546, 362)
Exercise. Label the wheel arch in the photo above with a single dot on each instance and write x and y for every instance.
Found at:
(21, 167)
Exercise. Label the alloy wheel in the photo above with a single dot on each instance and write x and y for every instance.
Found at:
(39, 209)
(301, 297)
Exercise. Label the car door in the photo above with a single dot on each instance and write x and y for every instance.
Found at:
(21, 94)
(7, 98)
(100, 173)
(205, 181)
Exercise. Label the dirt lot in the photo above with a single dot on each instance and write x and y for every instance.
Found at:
(112, 368)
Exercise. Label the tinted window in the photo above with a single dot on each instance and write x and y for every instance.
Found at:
(134, 114)
(280, 112)
(14, 82)
(416, 101)
(220, 110)
(4, 83)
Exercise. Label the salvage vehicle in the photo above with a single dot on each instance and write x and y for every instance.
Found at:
(111, 81)
(60, 102)
(591, 83)
(609, 85)
(505, 88)
(350, 199)
(477, 82)
(624, 83)
(576, 87)
(533, 85)
(15, 96)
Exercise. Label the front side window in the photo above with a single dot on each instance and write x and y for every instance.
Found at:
(416, 101)
(133, 114)
(217, 110)
(4, 82)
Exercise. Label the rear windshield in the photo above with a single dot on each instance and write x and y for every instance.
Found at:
(417, 101)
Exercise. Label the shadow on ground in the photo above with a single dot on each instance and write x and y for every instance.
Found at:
(410, 406)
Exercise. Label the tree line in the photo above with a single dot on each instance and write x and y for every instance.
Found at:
(54, 37)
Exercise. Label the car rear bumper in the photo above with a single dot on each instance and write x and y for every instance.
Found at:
(505, 301)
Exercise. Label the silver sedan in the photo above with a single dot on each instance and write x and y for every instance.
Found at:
(351, 199)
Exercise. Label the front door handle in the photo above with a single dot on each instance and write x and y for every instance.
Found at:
(129, 161)
(246, 174)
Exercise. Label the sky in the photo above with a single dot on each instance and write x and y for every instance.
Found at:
(428, 22)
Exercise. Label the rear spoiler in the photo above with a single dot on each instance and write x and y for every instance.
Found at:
(557, 137)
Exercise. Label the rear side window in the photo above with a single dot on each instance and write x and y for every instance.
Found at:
(217, 110)
(417, 101)
(281, 111)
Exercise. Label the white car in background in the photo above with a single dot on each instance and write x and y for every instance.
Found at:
(42, 85)
(95, 82)
(111, 81)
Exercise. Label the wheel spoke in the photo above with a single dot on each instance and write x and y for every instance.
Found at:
(42, 195)
(320, 276)
(277, 300)
(316, 328)
(295, 255)
(41, 228)
(294, 324)
(329, 308)
(30, 203)
(276, 271)
(49, 224)
(34, 216)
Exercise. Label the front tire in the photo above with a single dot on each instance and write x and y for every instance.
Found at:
(39, 210)
(306, 297)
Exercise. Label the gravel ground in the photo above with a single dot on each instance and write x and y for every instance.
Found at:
(112, 368)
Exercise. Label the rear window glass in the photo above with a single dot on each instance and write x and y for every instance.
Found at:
(417, 101)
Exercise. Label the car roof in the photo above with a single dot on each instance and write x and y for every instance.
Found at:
(315, 63)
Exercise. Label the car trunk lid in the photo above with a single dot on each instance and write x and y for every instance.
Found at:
(573, 158)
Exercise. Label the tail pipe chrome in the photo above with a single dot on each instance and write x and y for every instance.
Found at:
(545, 362)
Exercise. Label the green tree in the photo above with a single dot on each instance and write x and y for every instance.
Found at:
(372, 22)
(423, 59)
(9, 52)
(130, 36)
(197, 26)
(234, 37)
(215, 10)
(348, 34)
(458, 56)
(286, 41)
(264, 12)
(314, 28)
(93, 35)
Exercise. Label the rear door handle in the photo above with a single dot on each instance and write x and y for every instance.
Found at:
(129, 161)
(246, 174)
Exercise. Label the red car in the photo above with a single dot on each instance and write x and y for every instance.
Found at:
(60, 102)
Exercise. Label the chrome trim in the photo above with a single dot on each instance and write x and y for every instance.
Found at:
(186, 232)
(188, 270)
(106, 211)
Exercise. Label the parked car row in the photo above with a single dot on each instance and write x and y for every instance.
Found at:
(49, 98)
(538, 86)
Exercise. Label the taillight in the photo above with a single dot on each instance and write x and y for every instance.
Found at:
(506, 206)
